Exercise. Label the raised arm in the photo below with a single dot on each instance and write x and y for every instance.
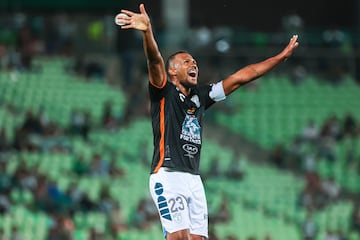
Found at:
(254, 71)
(141, 21)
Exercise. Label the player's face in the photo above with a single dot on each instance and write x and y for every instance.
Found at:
(187, 69)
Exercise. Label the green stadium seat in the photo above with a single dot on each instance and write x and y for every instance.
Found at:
(274, 113)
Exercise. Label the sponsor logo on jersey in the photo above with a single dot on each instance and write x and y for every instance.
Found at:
(191, 111)
(190, 150)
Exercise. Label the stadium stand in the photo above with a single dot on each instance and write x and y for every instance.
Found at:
(263, 202)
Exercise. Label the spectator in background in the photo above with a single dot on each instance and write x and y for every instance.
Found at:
(144, 158)
(58, 200)
(87, 69)
(41, 197)
(2, 235)
(334, 126)
(278, 156)
(109, 120)
(80, 123)
(309, 227)
(116, 220)
(15, 234)
(311, 197)
(267, 237)
(235, 169)
(94, 70)
(334, 37)
(77, 122)
(296, 153)
(75, 195)
(4, 145)
(79, 166)
(79, 200)
(5, 203)
(151, 212)
(350, 146)
(29, 179)
(114, 168)
(86, 204)
(43, 119)
(355, 217)
(298, 74)
(336, 40)
(5, 178)
(223, 214)
(98, 166)
(32, 123)
(145, 213)
(232, 237)
(349, 125)
(342, 235)
(66, 29)
(3, 56)
(309, 161)
(106, 203)
(25, 46)
(331, 189)
(331, 235)
(19, 174)
(62, 228)
(292, 23)
(311, 132)
(96, 234)
(327, 142)
(20, 141)
(214, 170)
(212, 233)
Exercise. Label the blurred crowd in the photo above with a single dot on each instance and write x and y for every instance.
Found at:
(26, 37)
(314, 144)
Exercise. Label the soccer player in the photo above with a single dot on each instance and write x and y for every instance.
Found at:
(178, 103)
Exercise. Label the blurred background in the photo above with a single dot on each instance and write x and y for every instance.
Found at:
(281, 156)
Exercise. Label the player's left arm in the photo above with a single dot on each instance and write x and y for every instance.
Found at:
(256, 70)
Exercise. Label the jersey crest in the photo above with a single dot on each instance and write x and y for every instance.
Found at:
(191, 130)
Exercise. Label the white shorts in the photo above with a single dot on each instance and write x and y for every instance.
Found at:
(180, 200)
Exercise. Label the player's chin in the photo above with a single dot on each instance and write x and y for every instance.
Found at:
(193, 81)
(189, 83)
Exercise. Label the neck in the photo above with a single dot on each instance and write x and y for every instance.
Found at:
(183, 89)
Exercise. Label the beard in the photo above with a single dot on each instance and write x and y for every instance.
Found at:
(188, 84)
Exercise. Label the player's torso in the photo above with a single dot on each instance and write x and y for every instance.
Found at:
(182, 132)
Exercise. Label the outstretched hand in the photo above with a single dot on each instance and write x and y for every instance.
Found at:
(288, 50)
(139, 21)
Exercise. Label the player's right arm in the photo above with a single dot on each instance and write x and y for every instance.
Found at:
(155, 62)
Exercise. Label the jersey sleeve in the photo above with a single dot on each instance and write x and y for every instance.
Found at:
(156, 93)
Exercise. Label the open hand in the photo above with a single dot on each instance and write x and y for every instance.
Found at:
(288, 50)
(139, 21)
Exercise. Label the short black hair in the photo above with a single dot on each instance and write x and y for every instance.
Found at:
(172, 56)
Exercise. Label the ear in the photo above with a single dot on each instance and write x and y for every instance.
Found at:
(172, 71)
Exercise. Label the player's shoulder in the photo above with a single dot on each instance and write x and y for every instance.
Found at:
(204, 87)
